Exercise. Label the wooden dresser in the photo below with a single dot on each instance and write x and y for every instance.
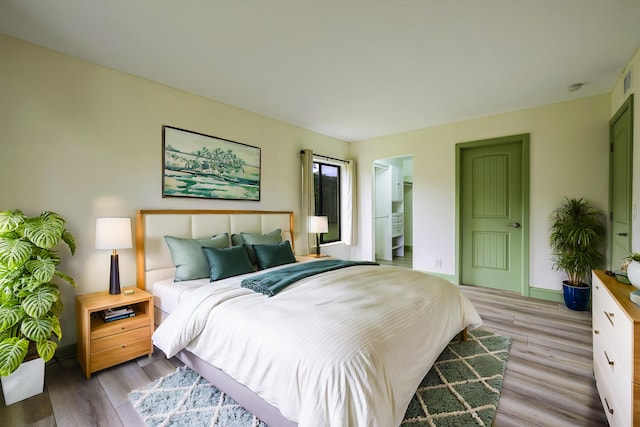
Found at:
(616, 349)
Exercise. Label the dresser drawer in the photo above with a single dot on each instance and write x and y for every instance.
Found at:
(613, 324)
(106, 343)
(114, 356)
(614, 385)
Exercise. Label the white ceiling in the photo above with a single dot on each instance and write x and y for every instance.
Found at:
(352, 69)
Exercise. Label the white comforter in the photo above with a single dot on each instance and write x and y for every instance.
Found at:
(343, 348)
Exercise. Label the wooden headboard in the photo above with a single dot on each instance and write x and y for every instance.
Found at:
(153, 259)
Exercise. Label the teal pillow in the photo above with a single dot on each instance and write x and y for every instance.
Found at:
(227, 262)
(250, 239)
(236, 239)
(188, 258)
(274, 254)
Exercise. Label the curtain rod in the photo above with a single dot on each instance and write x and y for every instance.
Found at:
(327, 157)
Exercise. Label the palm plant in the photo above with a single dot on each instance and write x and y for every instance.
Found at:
(577, 237)
(29, 301)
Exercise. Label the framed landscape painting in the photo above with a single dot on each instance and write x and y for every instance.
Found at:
(198, 165)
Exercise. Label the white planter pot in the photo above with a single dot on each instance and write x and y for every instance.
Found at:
(24, 382)
(633, 272)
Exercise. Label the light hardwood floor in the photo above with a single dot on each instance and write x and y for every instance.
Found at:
(549, 378)
(401, 261)
(548, 382)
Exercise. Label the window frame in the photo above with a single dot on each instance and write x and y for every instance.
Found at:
(318, 209)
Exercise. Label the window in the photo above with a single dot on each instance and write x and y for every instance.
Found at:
(326, 181)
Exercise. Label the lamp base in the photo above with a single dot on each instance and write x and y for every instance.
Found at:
(317, 245)
(114, 280)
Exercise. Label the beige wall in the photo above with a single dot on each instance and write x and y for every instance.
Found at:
(569, 157)
(85, 141)
(617, 99)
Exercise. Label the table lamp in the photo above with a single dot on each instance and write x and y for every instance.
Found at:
(112, 234)
(318, 225)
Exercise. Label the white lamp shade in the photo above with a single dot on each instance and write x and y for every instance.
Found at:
(318, 224)
(113, 233)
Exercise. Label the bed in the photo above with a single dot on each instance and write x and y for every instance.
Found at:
(344, 347)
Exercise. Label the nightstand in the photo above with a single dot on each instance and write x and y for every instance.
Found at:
(103, 344)
(307, 258)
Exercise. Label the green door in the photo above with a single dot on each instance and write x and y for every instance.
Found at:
(493, 213)
(620, 172)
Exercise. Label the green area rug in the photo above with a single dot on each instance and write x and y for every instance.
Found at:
(461, 389)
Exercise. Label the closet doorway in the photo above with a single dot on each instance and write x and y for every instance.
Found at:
(393, 211)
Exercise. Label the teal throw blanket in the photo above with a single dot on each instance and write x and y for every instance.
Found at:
(273, 282)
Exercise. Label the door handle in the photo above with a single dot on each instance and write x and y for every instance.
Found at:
(622, 234)
(514, 225)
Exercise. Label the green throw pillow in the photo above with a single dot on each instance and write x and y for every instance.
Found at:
(227, 262)
(236, 239)
(188, 258)
(274, 254)
(250, 239)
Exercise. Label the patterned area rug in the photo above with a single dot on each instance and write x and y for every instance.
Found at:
(461, 389)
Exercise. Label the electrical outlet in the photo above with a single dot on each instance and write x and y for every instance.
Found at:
(438, 263)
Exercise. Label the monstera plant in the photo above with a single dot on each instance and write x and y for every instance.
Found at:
(30, 301)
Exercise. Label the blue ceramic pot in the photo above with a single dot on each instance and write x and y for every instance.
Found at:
(576, 297)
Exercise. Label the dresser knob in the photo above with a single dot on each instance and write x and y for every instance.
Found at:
(609, 317)
(609, 361)
(595, 331)
(608, 408)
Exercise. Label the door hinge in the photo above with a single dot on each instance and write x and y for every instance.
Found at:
(611, 216)
(611, 147)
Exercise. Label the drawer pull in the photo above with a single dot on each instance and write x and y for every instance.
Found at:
(596, 286)
(609, 317)
(608, 407)
(609, 361)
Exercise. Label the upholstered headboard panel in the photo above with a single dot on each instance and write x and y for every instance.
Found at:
(153, 260)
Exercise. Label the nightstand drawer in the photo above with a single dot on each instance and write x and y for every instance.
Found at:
(101, 329)
(108, 342)
(114, 356)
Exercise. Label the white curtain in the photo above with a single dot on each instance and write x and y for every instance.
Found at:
(350, 215)
(308, 207)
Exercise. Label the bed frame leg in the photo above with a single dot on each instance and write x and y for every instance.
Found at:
(463, 335)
